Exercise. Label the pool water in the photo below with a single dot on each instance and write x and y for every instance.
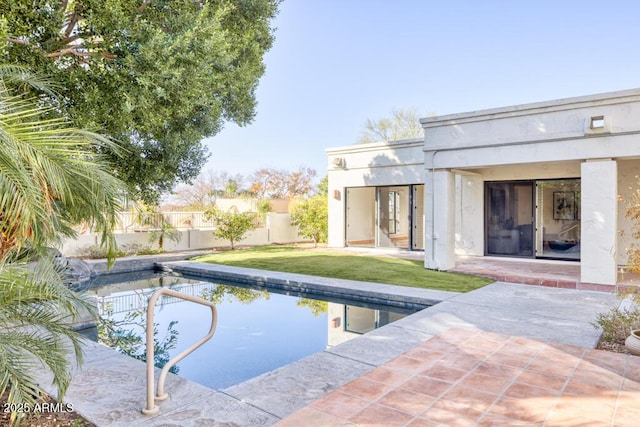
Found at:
(258, 330)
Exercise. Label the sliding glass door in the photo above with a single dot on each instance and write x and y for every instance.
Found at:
(558, 219)
(393, 217)
(386, 217)
(510, 218)
(361, 216)
(530, 219)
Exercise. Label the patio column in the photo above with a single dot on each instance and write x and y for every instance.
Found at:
(599, 224)
(469, 214)
(439, 200)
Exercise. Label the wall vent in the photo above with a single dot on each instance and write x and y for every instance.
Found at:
(595, 125)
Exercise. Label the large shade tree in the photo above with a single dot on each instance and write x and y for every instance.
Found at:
(203, 192)
(157, 76)
(402, 124)
(282, 184)
(50, 179)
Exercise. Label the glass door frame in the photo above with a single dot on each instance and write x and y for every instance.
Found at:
(388, 198)
(537, 221)
(416, 219)
(549, 193)
(404, 209)
(507, 235)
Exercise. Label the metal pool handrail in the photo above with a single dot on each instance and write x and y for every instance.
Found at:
(151, 408)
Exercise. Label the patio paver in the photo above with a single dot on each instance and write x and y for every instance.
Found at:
(467, 377)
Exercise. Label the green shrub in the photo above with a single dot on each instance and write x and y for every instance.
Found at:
(231, 225)
(617, 324)
(98, 252)
(131, 249)
(311, 217)
(146, 250)
(139, 249)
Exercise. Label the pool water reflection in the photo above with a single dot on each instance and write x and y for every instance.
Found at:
(258, 330)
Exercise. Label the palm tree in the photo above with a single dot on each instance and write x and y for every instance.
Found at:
(50, 180)
(151, 218)
(167, 231)
(35, 308)
(52, 177)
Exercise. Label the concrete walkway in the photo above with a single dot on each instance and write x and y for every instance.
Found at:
(109, 389)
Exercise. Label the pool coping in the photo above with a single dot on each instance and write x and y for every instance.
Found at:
(109, 388)
(399, 296)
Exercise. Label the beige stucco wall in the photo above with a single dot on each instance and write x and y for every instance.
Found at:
(540, 141)
(551, 121)
(599, 223)
(544, 141)
(469, 214)
(440, 227)
(280, 228)
(368, 165)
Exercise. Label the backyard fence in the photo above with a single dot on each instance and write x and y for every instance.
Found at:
(274, 227)
(136, 221)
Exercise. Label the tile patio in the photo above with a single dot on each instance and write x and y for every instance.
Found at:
(471, 378)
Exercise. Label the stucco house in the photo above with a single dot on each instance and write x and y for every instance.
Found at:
(546, 180)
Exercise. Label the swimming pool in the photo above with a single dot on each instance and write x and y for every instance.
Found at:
(259, 329)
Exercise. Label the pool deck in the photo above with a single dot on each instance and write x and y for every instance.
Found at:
(503, 354)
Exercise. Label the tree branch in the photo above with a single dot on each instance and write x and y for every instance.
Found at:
(144, 5)
(68, 40)
(73, 50)
(68, 50)
(73, 20)
(17, 40)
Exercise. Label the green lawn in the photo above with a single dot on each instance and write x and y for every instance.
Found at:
(327, 263)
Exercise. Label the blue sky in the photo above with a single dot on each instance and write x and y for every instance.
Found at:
(336, 63)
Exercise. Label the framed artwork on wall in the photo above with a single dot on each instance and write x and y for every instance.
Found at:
(564, 205)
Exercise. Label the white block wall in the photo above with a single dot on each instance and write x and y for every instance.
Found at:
(280, 230)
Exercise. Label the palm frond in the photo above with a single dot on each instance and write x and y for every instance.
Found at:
(23, 77)
(52, 176)
(35, 310)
